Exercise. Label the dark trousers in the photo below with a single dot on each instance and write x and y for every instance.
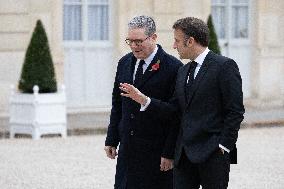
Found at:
(211, 174)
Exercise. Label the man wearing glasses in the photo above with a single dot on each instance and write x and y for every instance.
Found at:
(146, 143)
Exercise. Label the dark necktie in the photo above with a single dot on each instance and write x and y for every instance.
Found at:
(139, 72)
(190, 78)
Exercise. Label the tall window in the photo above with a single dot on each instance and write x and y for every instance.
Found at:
(86, 20)
(240, 18)
(72, 29)
(231, 14)
(219, 17)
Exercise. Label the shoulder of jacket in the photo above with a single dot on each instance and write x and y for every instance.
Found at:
(171, 60)
(220, 59)
(126, 57)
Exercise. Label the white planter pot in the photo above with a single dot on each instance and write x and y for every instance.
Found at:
(38, 114)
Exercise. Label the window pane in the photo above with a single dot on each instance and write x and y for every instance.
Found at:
(72, 1)
(98, 2)
(218, 1)
(240, 1)
(240, 22)
(218, 16)
(98, 23)
(72, 28)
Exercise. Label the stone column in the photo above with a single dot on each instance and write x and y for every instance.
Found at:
(268, 54)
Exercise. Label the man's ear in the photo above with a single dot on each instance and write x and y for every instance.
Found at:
(189, 41)
(154, 36)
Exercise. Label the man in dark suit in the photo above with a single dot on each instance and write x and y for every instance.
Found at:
(146, 144)
(209, 100)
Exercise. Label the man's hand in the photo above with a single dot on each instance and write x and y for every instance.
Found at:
(110, 151)
(131, 92)
(166, 164)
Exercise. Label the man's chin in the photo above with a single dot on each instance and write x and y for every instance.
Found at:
(138, 57)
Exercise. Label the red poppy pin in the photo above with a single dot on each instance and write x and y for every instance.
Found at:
(155, 66)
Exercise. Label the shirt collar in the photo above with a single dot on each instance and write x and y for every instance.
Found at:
(200, 59)
(149, 59)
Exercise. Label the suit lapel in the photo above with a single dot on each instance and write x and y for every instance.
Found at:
(199, 77)
(129, 69)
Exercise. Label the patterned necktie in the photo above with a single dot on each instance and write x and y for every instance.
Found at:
(139, 73)
(190, 79)
(192, 68)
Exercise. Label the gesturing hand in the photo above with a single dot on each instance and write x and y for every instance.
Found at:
(131, 92)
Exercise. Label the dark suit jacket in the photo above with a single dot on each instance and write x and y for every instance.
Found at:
(211, 113)
(142, 137)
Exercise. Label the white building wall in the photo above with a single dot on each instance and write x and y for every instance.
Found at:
(17, 21)
(14, 32)
(268, 57)
(18, 18)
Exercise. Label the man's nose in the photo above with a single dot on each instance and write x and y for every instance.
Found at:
(133, 44)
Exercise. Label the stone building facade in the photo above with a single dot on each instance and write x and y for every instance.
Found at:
(86, 38)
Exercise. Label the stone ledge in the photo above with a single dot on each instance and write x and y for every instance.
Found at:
(92, 123)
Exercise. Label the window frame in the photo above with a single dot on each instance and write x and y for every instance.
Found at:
(85, 41)
(229, 5)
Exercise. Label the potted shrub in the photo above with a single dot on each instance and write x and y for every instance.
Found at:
(37, 107)
(213, 39)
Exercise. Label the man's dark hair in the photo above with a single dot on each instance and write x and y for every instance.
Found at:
(194, 27)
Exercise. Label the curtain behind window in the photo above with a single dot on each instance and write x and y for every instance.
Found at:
(94, 14)
(240, 21)
(72, 23)
(98, 22)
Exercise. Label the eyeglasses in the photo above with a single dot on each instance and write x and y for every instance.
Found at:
(137, 42)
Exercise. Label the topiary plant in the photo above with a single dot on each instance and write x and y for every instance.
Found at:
(38, 65)
(213, 39)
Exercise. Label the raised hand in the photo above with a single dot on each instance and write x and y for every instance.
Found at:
(131, 92)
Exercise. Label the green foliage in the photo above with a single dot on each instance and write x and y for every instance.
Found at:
(213, 39)
(38, 65)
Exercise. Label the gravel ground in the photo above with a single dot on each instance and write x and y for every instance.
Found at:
(78, 162)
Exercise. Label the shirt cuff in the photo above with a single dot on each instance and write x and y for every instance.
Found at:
(143, 108)
(224, 148)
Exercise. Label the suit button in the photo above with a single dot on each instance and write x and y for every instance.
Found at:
(132, 116)
(131, 133)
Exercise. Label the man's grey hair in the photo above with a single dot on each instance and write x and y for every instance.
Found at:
(145, 22)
